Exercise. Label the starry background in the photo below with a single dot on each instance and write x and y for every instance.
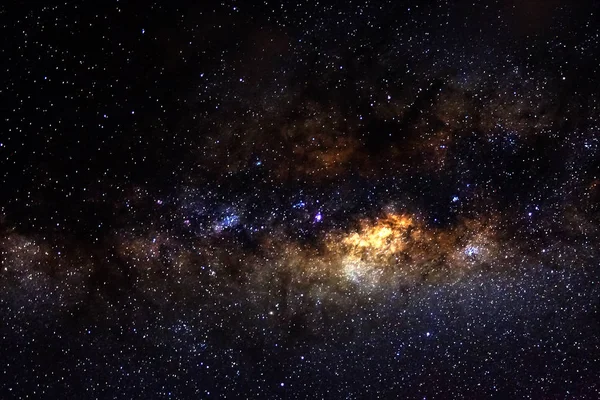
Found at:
(359, 199)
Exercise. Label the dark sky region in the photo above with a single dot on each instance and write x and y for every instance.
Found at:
(300, 200)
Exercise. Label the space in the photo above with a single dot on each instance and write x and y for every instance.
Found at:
(300, 200)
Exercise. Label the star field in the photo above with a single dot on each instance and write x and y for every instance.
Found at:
(300, 200)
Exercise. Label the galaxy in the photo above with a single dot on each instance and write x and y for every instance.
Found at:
(300, 200)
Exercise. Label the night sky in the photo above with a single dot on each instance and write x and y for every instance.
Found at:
(317, 200)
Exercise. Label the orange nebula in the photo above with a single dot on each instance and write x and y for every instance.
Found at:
(386, 236)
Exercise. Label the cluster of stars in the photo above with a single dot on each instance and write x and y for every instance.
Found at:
(378, 199)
